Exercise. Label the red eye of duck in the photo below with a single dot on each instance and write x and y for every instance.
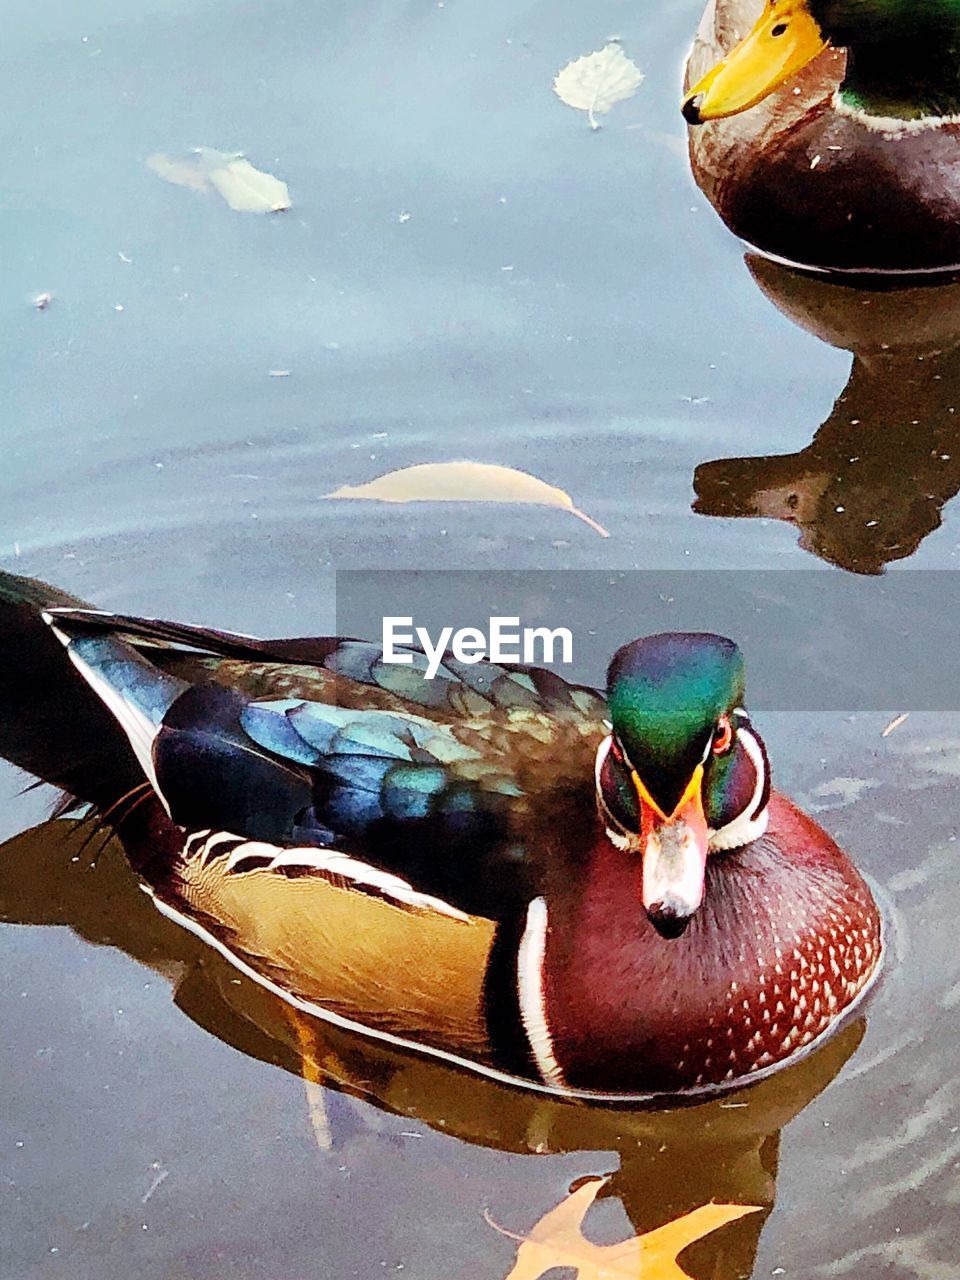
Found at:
(724, 737)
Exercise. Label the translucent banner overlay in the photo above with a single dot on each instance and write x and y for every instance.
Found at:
(813, 641)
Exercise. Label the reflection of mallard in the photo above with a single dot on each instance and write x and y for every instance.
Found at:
(476, 865)
(871, 484)
(670, 1161)
(845, 147)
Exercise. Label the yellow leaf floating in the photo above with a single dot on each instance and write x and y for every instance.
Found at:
(464, 482)
(598, 81)
(557, 1240)
(244, 188)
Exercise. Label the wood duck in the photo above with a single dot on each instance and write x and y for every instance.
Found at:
(596, 895)
(668, 1160)
(827, 132)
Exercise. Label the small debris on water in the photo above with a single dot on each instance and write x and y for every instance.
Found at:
(894, 724)
(160, 1178)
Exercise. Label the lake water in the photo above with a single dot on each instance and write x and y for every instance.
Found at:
(467, 272)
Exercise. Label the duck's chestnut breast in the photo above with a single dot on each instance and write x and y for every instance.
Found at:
(787, 939)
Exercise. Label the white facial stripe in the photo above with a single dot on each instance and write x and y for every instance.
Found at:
(739, 832)
(602, 752)
(623, 842)
(743, 828)
(530, 993)
(755, 752)
(618, 835)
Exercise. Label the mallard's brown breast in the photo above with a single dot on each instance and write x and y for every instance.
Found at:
(845, 192)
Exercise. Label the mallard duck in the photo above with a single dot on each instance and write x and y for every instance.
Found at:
(595, 894)
(845, 148)
(873, 481)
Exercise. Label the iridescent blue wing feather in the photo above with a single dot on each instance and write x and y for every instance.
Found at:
(455, 783)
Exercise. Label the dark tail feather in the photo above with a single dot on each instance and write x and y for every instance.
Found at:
(312, 650)
(51, 724)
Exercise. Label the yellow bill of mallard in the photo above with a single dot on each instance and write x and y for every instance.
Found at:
(784, 40)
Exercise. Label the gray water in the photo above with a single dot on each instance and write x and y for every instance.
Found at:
(467, 271)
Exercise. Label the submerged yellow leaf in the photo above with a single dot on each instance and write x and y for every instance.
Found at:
(598, 81)
(464, 482)
(313, 1078)
(557, 1240)
(231, 175)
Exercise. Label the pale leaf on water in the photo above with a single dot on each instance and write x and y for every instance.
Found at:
(244, 188)
(464, 482)
(557, 1240)
(248, 190)
(182, 173)
(598, 81)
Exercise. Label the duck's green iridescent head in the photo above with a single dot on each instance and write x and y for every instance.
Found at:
(683, 772)
(902, 57)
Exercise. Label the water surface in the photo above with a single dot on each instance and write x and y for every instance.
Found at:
(467, 271)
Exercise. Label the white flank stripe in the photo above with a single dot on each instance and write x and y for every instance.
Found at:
(207, 851)
(332, 862)
(139, 728)
(533, 1012)
(471, 1064)
(249, 849)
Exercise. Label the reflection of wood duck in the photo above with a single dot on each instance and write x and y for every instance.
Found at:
(670, 1162)
(843, 149)
(477, 866)
(873, 481)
